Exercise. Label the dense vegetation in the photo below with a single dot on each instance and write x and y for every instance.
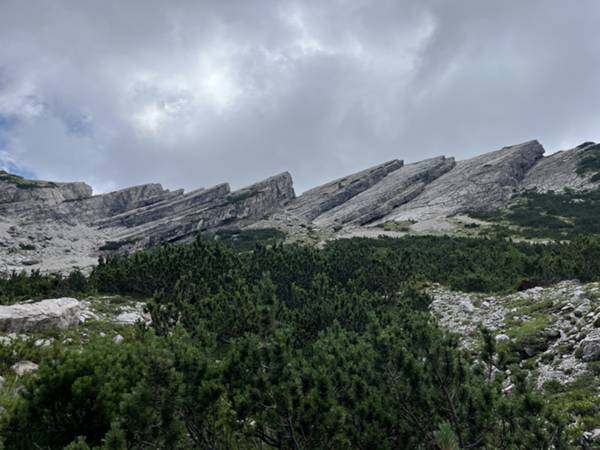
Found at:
(292, 347)
(482, 265)
(590, 162)
(551, 215)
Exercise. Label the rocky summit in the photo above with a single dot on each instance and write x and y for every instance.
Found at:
(55, 226)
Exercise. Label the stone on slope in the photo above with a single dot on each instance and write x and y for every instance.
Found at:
(395, 189)
(317, 201)
(484, 182)
(24, 367)
(590, 346)
(559, 171)
(48, 314)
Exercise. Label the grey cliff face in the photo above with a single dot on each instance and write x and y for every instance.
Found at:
(481, 183)
(18, 190)
(397, 188)
(318, 200)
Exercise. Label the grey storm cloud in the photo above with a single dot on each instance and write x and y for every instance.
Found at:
(193, 93)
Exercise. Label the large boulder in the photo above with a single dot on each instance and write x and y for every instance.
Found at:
(24, 367)
(59, 313)
(590, 346)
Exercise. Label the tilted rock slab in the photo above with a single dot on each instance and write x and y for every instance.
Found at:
(559, 171)
(395, 189)
(485, 182)
(321, 199)
(61, 313)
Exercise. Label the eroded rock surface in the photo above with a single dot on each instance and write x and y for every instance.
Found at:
(559, 171)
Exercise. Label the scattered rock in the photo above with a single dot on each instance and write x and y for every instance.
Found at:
(118, 339)
(559, 352)
(43, 342)
(502, 338)
(24, 367)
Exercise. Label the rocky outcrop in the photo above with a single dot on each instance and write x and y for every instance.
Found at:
(559, 171)
(102, 206)
(317, 201)
(206, 210)
(18, 190)
(49, 226)
(555, 328)
(61, 226)
(178, 205)
(590, 346)
(397, 188)
(61, 313)
(485, 182)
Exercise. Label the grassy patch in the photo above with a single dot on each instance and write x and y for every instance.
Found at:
(590, 162)
(551, 215)
(246, 240)
(24, 183)
(402, 226)
(530, 337)
(579, 399)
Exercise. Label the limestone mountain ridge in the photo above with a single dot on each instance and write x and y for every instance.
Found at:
(50, 225)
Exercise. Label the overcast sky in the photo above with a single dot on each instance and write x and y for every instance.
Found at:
(193, 93)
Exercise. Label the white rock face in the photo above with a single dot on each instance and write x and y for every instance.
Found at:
(481, 183)
(52, 227)
(59, 313)
(24, 367)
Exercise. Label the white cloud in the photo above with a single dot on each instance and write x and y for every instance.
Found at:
(193, 93)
